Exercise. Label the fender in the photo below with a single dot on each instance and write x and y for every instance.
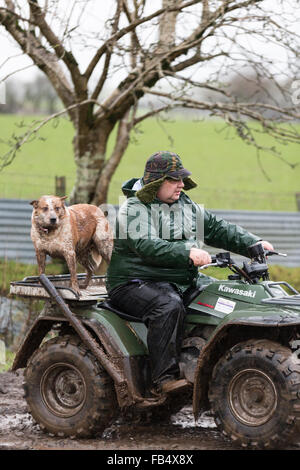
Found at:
(118, 337)
(231, 331)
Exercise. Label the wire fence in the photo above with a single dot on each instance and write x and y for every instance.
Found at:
(24, 186)
(249, 200)
(228, 199)
(20, 186)
(282, 229)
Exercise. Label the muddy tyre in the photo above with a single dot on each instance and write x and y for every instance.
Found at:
(67, 391)
(254, 394)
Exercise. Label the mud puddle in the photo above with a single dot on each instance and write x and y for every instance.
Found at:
(19, 431)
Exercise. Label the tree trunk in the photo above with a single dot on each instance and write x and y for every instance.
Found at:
(90, 151)
(167, 26)
(111, 164)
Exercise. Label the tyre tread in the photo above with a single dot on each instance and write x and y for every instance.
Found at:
(278, 355)
(105, 406)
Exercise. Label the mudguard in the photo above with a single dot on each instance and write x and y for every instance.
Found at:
(118, 337)
(234, 328)
(122, 346)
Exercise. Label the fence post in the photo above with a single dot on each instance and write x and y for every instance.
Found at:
(298, 201)
(60, 186)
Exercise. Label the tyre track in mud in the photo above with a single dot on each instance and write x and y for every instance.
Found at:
(19, 432)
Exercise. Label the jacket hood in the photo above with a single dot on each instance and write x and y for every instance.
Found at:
(127, 186)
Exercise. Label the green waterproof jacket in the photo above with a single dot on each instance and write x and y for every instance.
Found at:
(153, 241)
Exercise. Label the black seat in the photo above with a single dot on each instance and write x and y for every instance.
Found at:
(108, 306)
(191, 293)
(188, 296)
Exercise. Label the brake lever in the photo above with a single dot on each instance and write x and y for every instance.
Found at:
(207, 265)
(271, 253)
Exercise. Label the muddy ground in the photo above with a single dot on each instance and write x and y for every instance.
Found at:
(18, 431)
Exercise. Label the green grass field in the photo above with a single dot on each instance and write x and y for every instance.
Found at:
(225, 168)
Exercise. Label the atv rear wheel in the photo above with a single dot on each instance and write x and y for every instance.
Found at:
(67, 391)
(254, 393)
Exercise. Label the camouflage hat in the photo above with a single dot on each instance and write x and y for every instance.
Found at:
(159, 166)
(164, 164)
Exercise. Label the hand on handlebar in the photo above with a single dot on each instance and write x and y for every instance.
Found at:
(266, 245)
(199, 257)
(269, 249)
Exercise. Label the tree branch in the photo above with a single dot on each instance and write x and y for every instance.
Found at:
(135, 43)
(33, 130)
(122, 32)
(109, 52)
(153, 112)
(44, 59)
(153, 70)
(233, 112)
(122, 141)
(59, 49)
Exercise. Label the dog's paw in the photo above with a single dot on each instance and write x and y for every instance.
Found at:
(77, 291)
(83, 286)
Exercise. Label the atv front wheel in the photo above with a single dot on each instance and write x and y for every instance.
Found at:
(254, 394)
(67, 391)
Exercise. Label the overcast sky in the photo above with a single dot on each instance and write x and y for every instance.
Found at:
(93, 19)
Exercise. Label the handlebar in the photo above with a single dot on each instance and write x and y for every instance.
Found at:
(270, 253)
(223, 259)
(208, 265)
(251, 271)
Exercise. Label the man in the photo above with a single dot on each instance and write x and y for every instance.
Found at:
(157, 250)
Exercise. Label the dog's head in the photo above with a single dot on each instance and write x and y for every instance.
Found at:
(48, 211)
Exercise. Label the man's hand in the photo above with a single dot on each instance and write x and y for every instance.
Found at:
(266, 245)
(199, 257)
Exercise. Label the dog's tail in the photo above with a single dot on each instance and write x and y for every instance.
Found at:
(103, 239)
(93, 259)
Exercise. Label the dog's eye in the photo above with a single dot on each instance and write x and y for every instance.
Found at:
(44, 209)
(57, 209)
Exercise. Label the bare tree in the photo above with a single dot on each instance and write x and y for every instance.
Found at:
(167, 49)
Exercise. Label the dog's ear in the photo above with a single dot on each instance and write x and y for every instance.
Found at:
(34, 203)
(63, 198)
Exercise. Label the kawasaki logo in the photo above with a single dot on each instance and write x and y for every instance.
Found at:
(230, 290)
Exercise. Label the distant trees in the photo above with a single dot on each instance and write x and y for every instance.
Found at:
(41, 95)
(36, 96)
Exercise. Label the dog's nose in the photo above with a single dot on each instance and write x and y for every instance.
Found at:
(53, 220)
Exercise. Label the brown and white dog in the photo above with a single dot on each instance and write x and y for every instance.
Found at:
(77, 233)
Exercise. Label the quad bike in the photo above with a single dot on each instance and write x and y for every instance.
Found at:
(85, 361)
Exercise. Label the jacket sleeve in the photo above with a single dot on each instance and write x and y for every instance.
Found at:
(222, 234)
(141, 237)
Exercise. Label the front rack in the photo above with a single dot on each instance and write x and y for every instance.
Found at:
(291, 300)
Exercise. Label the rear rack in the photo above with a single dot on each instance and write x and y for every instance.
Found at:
(30, 286)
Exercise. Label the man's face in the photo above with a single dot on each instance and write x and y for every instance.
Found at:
(170, 190)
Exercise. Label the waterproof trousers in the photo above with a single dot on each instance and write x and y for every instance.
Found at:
(160, 306)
